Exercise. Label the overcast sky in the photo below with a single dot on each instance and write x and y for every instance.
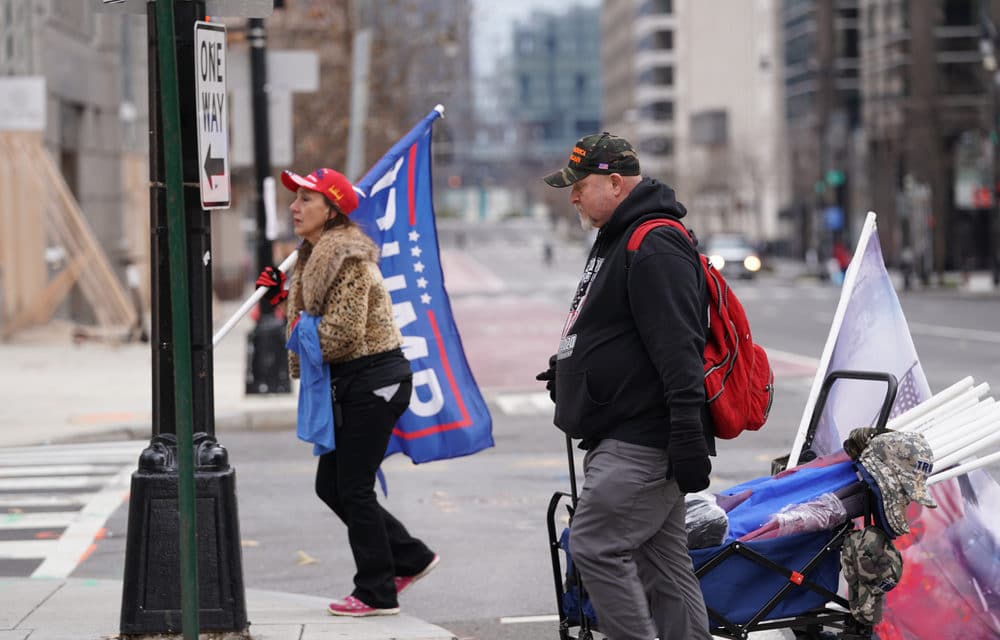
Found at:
(492, 21)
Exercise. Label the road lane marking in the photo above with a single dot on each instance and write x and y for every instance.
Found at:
(793, 358)
(523, 619)
(954, 333)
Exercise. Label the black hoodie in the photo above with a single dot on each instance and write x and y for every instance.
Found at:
(630, 360)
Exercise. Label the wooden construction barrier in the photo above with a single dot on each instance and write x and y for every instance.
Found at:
(38, 213)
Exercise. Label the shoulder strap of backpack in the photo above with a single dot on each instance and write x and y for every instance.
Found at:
(640, 232)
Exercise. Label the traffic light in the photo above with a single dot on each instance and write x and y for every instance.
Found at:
(835, 177)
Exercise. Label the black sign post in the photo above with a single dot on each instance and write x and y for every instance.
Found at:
(183, 563)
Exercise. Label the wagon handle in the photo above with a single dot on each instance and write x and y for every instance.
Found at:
(883, 415)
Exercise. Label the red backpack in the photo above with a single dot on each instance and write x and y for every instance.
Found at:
(739, 383)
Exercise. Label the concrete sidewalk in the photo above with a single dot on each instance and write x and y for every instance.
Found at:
(56, 390)
(44, 609)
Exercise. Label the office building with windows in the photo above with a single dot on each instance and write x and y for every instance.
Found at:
(556, 69)
(926, 109)
(696, 86)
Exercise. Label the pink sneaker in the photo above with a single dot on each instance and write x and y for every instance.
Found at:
(351, 606)
(405, 582)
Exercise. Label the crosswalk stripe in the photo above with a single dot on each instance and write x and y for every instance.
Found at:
(80, 449)
(49, 519)
(59, 470)
(69, 490)
(75, 540)
(96, 453)
(59, 482)
(25, 549)
(65, 457)
(529, 403)
(22, 500)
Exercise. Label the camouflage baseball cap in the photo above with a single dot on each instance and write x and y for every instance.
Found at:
(872, 567)
(598, 153)
(899, 462)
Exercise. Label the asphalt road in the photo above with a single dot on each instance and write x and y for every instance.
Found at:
(485, 514)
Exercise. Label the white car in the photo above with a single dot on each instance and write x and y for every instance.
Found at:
(733, 254)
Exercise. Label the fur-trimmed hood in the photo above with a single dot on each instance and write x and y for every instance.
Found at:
(326, 259)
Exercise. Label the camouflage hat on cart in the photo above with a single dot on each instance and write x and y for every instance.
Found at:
(872, 567)
(900, 463)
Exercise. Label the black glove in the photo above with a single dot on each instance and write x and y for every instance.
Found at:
(689, 463)
(274, 280)
(549, 376)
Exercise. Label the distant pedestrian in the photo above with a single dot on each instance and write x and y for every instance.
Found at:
(841, 255)
(628, 381)
(338, 290)
(548, 253)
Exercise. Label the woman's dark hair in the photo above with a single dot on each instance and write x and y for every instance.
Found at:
(339, 220)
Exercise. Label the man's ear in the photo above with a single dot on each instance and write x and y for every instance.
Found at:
(617, 183)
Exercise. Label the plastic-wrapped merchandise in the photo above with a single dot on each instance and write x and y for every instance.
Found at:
(706, 522)
(825, 512)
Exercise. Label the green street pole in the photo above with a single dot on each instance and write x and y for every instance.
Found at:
(180, 313)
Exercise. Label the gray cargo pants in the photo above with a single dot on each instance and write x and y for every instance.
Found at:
(629, 542)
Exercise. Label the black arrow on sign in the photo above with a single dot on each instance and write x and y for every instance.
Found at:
(213, 167)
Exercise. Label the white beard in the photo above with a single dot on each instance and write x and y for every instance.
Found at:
(585, 222)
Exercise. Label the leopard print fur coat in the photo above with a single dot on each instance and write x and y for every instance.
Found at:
(339, 279)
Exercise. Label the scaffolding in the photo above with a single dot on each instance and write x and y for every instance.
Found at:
(46, 245)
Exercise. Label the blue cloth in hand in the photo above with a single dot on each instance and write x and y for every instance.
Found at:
(315, 412)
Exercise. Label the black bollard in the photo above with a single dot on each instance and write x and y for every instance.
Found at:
(151, 591)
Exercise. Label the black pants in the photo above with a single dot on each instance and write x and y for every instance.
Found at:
(345, 481)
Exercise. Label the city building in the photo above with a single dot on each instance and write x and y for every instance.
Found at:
(557, 72)
(822, 107)
(888, 107)
(639, 81)
(696, 86)
(542, 94)
(927, 104)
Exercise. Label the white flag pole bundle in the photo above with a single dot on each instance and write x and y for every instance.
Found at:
(284, 267)
(958, 423)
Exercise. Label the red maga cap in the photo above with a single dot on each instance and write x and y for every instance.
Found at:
(330, 183)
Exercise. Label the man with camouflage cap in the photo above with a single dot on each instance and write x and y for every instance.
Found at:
(628, 381)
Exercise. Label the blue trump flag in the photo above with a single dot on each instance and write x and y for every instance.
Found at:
(447, 416)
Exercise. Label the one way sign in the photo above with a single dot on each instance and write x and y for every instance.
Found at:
(211, 111)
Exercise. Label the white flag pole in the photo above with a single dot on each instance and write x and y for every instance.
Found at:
(904, 420)
(850, 278)
(962, 469)
(284, 267)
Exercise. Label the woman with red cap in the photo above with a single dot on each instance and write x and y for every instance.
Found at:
(337, 282)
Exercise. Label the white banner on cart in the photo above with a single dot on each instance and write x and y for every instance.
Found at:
(869, 333)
